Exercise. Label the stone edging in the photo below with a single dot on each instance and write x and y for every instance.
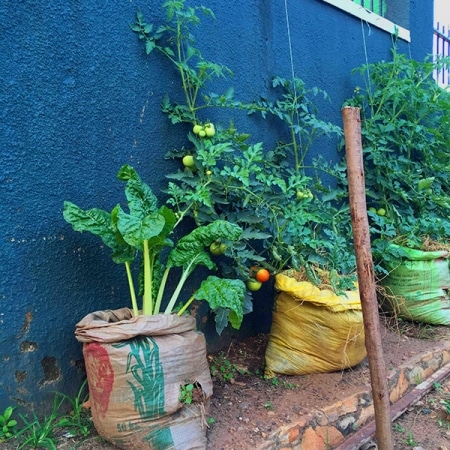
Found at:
(327, 427)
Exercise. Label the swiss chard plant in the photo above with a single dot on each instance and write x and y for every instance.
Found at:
(144, 232)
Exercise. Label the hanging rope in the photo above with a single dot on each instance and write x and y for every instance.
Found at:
(289, 39)
(365, 55)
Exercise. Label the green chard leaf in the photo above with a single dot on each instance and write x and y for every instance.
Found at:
(96, 221)
(136, 230)
(190, 249)
(224, 293)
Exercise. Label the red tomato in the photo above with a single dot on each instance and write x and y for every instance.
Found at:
(262, 275)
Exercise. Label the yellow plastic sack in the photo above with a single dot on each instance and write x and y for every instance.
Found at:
(313, 330)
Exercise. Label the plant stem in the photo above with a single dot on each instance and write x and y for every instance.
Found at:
(177, 291)
(147, 301)
(161, 291)
(186, 305)
(131, 286)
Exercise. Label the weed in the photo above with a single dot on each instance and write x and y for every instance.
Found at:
(268, 405)
(411, 441)
(222, 368)
(211, 421)
(78, 421)
(7, 424)
(275, 382)
(186, 393)
(40, 433)
(398, 428)
(446, 404)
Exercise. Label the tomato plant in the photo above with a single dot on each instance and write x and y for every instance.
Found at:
(289, 219)
(404, 128)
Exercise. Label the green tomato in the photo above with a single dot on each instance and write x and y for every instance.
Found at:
(301, 195)
(202, 133)
(372, 209)
(381, 212)
(188, 161)
(253, 285)
(217, 248)
(197, 129)
(209, 130)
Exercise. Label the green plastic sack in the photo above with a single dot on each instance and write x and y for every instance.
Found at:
(417, 285)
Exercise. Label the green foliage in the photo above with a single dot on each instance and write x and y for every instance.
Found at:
(41, 432)
(78, 421)
(145, 230)
(289, 219)
(222, 368)
(405, 135)
(186, 391)
(8, 425)
(176, 42)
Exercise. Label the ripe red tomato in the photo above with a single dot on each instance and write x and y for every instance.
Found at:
(262, 275)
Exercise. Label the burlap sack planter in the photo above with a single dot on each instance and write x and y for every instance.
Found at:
(135, 369)
(313, 330)
(417, 286)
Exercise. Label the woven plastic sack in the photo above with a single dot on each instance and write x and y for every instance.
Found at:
(313, 330)
(417, 285)
(135, 368)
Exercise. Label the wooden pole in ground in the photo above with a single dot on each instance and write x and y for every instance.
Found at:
(366, 276)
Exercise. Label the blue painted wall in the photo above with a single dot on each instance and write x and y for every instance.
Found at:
(78, 99)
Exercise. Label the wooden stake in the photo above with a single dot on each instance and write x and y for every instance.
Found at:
(366, 276)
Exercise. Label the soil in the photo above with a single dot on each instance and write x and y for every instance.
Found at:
(246, 408)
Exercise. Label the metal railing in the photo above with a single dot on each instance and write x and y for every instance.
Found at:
(441, 47)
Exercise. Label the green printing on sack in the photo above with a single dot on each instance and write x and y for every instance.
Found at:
(144, 364)
(161, 439)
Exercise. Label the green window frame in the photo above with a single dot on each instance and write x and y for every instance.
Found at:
(389, 15)
(376, 6)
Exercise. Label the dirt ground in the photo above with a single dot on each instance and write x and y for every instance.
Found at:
(246, 408)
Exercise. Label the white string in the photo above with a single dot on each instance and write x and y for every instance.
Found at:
(369, 88)
(289, 39)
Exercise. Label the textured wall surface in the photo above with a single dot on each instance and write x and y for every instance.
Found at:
(79, 98)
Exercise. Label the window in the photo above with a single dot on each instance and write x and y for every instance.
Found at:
(389, 15)
(376, 6)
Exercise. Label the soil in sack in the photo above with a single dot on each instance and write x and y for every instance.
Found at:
(136, 369)
(313, 330)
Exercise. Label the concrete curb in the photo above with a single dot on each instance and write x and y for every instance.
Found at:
(328, 427)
